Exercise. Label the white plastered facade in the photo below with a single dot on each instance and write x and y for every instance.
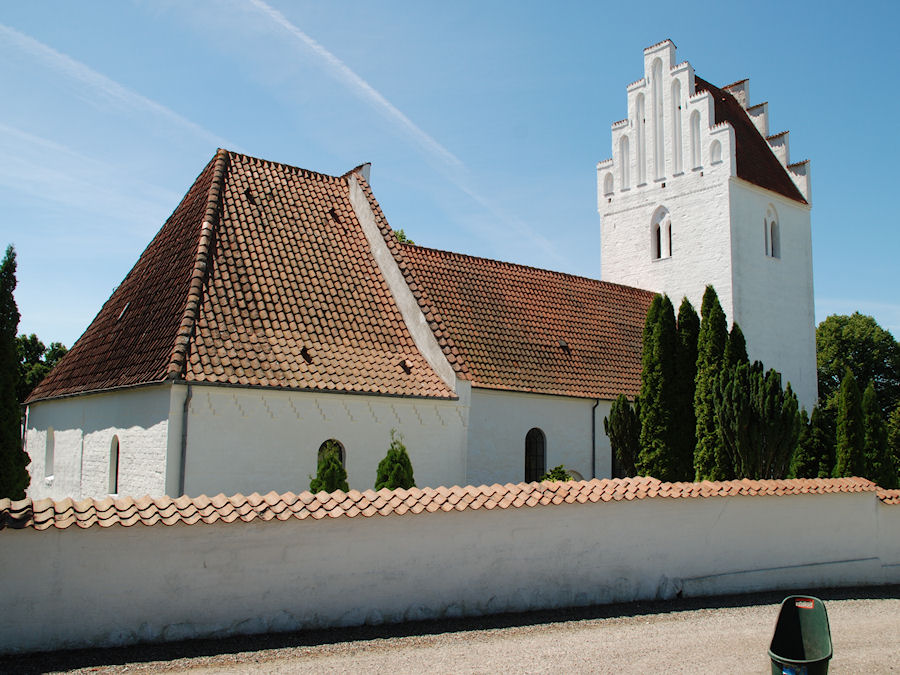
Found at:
(673, 166)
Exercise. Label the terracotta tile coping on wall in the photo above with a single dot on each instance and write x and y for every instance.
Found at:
(46, 513)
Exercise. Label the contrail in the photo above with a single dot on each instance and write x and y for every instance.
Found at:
(363, 88)
(109, 89)
(457, 170)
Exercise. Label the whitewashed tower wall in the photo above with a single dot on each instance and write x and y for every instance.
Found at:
(674, 170)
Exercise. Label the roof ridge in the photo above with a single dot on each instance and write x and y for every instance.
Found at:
(271, 162)
(522, 266)
(205, 241)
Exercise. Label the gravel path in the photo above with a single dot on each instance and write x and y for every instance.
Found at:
(704, 635)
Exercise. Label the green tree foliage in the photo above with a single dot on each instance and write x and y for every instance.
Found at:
(35, 361)
(893, 437)
(557, 473)
(857, 342)
(402, 238)
(395, 470)
(656, 456)
(685, 438)
(758, 421)
(14, 478)
(330, 474)
(814, 456)
(849, 455)
(805, 462)
(879, 462)
(624, 430)
(710, 353)
(736, 347)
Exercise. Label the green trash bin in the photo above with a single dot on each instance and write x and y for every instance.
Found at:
(801, 644)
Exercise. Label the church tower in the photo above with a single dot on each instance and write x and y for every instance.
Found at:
(698, 192)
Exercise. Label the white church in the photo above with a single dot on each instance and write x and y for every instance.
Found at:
(276, 310)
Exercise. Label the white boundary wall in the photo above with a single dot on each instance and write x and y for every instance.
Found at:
(89, 587)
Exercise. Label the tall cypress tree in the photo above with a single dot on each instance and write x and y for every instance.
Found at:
(14, 476)
(879, 462)
(810, 447)
(893, 436)
(710, 352)
(851, 435)
(685, 440)
(656, 457)
(624, 430)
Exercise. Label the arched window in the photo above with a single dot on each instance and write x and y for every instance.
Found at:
(535, 455)
(771, 233)
(608, 184)
(337, 445)
(624, 163)
(661, 234)
(695, 140)
(49, 451)
(114, 466)
(641, 132)
(715, 152)
(676, 125)
(659, 152)
(774, 239)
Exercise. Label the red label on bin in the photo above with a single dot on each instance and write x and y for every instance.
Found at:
(805, 603)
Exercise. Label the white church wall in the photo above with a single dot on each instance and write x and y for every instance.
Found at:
(253, 440)
(83, 428)
(120, 585)
(499, 421)
(773, 296)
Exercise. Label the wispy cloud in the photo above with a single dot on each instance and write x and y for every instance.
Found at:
(108, 90)
(452, 166)
(49, 171)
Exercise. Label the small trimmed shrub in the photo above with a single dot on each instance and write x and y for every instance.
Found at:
(330, 474)
(557, 473)
(395, 470)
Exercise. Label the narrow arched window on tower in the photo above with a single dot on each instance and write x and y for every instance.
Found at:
(535, 455)
(608, 184)
(695, 140)
(676, 125)
(771, 233)
(774, 238)
(661, 234)
(658, 134)
(641, 133)
(624, 163)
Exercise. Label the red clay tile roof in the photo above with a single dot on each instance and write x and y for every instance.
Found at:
(756, 162)
(889, 496)
(513, 327)
(45, 513)
(261, 277)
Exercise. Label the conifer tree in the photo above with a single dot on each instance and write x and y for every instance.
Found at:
(685, 438)
(656, 457)
(14, 478)
(736, 347)
(624, 429)
(893, 436)
(330, 474)
(879, 462)
(710, 352)
(805, 462)
(851, 436)
(395, 470)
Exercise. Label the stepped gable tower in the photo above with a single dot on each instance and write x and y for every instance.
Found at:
(699, 192)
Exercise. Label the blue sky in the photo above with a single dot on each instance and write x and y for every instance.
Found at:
(484, 122)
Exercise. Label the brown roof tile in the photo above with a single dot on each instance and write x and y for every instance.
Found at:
(45, 513)
(756, 162)
(889, 496)
(506, 326)
(262, 277)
